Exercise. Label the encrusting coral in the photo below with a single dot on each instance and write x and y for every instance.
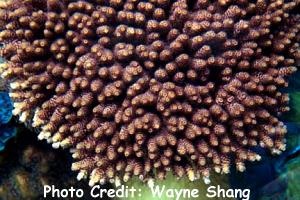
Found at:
(145, 87)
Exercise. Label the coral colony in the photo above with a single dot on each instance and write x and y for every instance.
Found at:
(139, 88)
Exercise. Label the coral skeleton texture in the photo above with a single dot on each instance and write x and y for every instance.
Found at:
(140, 88)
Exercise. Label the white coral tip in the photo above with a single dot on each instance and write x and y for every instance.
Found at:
(150, 183)
(56, 145)
(82, 174)
(206, 180)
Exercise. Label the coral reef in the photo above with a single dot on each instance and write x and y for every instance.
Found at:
(276, 177)
(139, 88)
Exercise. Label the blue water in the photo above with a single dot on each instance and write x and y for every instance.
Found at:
(5, 108)
(7, 130)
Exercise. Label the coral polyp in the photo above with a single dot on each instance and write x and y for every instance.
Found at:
(140, 88)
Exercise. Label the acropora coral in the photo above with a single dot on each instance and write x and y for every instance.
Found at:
(139, 88)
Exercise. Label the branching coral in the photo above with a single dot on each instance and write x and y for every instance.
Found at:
(144, 87)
